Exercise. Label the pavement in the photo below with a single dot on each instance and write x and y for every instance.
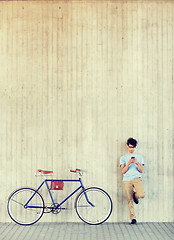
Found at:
(82, 231)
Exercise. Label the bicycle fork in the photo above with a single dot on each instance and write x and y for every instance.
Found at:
(85, 194)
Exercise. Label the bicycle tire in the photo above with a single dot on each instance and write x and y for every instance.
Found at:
(21, 215)
(102, 206)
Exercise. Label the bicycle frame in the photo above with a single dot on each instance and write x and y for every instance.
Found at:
(69, 196)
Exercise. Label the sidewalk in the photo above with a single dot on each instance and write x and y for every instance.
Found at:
(79, 231)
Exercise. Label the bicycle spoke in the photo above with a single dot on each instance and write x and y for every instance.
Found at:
(17, 202)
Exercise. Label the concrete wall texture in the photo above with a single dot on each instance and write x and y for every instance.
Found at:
(77, 78)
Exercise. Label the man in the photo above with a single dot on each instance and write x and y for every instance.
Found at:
(132, 166)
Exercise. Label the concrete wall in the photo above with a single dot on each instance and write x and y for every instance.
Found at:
(77, 78)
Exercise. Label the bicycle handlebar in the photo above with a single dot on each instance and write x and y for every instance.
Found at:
(75, 171)
(79, 171)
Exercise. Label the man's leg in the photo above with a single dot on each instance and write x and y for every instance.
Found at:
(138, 185)
(128, 186)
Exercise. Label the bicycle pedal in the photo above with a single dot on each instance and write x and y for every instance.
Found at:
(47, 210)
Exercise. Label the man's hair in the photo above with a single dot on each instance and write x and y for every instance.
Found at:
(132, 141)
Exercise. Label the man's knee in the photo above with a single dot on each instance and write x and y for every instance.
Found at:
(140, 195)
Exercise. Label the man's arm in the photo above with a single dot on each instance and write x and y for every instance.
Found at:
(125, 168)
(140, 167)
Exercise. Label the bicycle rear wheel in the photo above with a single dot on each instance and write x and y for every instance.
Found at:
(25, 215)
(101, 209)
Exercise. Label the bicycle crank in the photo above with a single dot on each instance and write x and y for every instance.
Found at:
(55, 210)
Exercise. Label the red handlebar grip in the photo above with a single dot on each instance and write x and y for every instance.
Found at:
(77, 170)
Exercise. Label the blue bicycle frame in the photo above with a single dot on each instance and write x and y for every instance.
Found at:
(56, 207)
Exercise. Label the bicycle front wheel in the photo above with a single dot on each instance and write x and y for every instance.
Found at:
(101, 207)
(25, 215)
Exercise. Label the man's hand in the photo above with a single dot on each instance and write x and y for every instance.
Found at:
(136, 161)
(131, 161)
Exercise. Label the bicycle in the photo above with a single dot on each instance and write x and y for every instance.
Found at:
(26, 205)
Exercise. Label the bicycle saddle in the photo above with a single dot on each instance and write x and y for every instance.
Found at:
(44, 172)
